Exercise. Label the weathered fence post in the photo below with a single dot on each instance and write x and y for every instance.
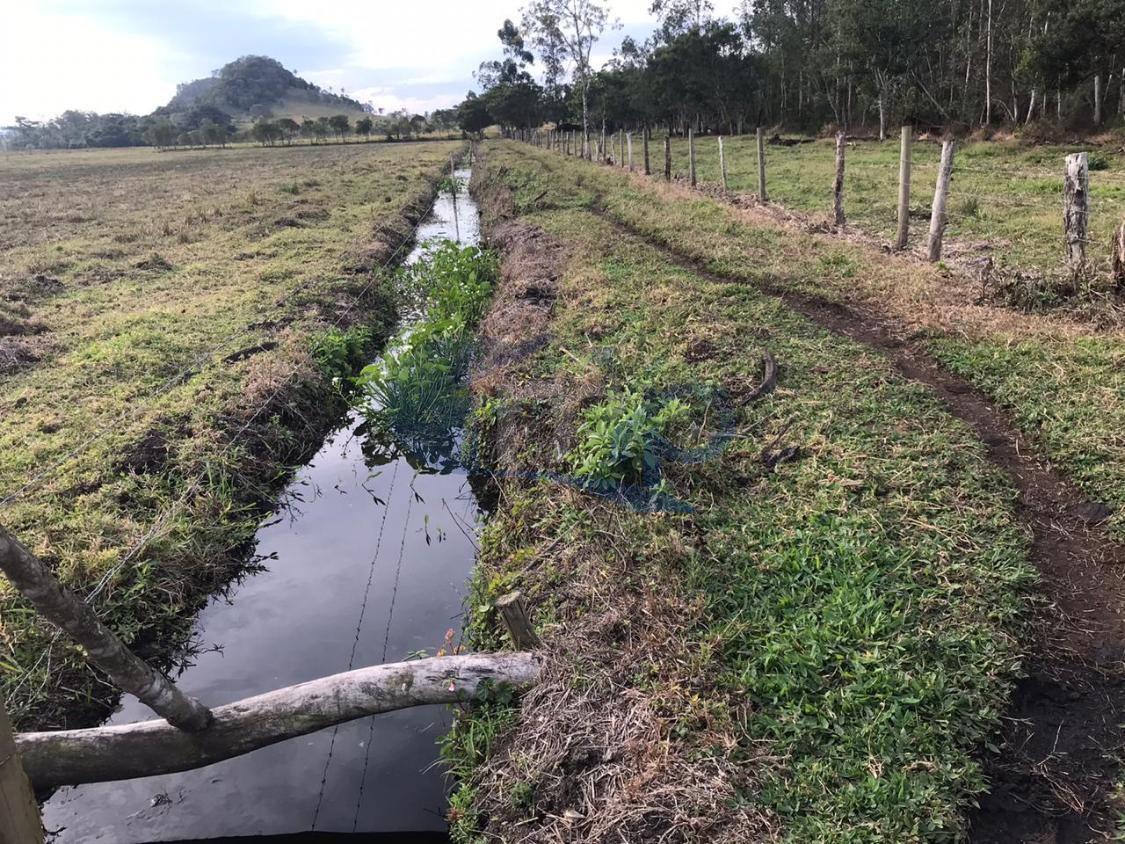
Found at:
(629, 145)
(644, 141)
(126, 670)
(601, 149)
(904, 161)
(941, 195)
(838, 182)
(1076, 213)
(1119, 256)
(667, 158)
(722, 163)
(513, 612)
(621, 148)
(19, 813)
(691, 156)
(762, 195)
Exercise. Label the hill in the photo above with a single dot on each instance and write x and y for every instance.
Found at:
(257, 86)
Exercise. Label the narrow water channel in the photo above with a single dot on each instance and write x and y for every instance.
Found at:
(364, 562)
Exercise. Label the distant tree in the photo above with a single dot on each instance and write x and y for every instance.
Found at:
(340, 125)
(161, 133)
(308, 128)
(267, 132)
(363, 127)
(418, 124)
(289, 129)
(321, 129)
(473, 115)
(565, 32)
(214, 133)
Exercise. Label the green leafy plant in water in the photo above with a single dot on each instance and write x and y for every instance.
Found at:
(416, 389)
(338, 352)
(618, 440)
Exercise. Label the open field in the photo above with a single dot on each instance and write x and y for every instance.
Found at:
(1060, 374)
(817, 647)
(1003, 194)
(170, 326)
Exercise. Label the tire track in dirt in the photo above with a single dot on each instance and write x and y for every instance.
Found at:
(1053, 781)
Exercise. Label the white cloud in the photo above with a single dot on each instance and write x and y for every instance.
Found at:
(386, 99)
(51, 62)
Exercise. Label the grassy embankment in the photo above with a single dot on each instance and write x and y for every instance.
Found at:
(169, 329)
(1060, 373)
(817, 646)
(1005, 194)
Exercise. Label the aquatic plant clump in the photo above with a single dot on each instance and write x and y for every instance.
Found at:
(417, 390)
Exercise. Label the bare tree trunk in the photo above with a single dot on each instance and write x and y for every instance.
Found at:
(68, 757)
(1097, 99)
(127, 671)
(1030, 108)
(882, 116)
(988, 70)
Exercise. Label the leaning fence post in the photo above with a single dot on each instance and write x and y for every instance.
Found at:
(667, 158)
(19, 812)
(644, 141)
(941, 195)
(629, 145)
(838, 183)
(722, 163)
(127, 671)
(1076, 213)
(513, 613)
(904, 161)
(691, 156)
(761, 135)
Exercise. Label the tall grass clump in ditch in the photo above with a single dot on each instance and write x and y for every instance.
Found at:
(417, 391)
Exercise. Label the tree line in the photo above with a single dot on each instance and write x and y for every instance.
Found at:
(207, 125)
(809, 65)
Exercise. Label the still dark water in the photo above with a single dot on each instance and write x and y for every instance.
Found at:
(364, 564)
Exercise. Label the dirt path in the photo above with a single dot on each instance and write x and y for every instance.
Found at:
(1054, 778)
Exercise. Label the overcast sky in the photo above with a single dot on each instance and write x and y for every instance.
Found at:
(128, 55)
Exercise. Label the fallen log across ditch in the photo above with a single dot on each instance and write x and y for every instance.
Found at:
(70, 757)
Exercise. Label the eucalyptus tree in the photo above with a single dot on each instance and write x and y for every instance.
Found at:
(565, 32)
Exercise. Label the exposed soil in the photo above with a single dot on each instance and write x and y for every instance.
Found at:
(1054, 778)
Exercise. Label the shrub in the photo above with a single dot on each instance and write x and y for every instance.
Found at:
(619, 440)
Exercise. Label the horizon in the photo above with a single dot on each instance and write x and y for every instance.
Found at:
(128, 56)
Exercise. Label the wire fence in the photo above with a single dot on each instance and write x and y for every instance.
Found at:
(1015, 209)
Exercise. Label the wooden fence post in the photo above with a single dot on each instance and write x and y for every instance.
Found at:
(629, 145)
(667, 158)
(904, 163)
(644, 141)
(691, 155)
(762, 195)
(19, 812)
(1076, 214)
(838, 183)
(127, 671)
(621, 148)
(941, 196)
(601, 149)
(722, 163)
(513, 612)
